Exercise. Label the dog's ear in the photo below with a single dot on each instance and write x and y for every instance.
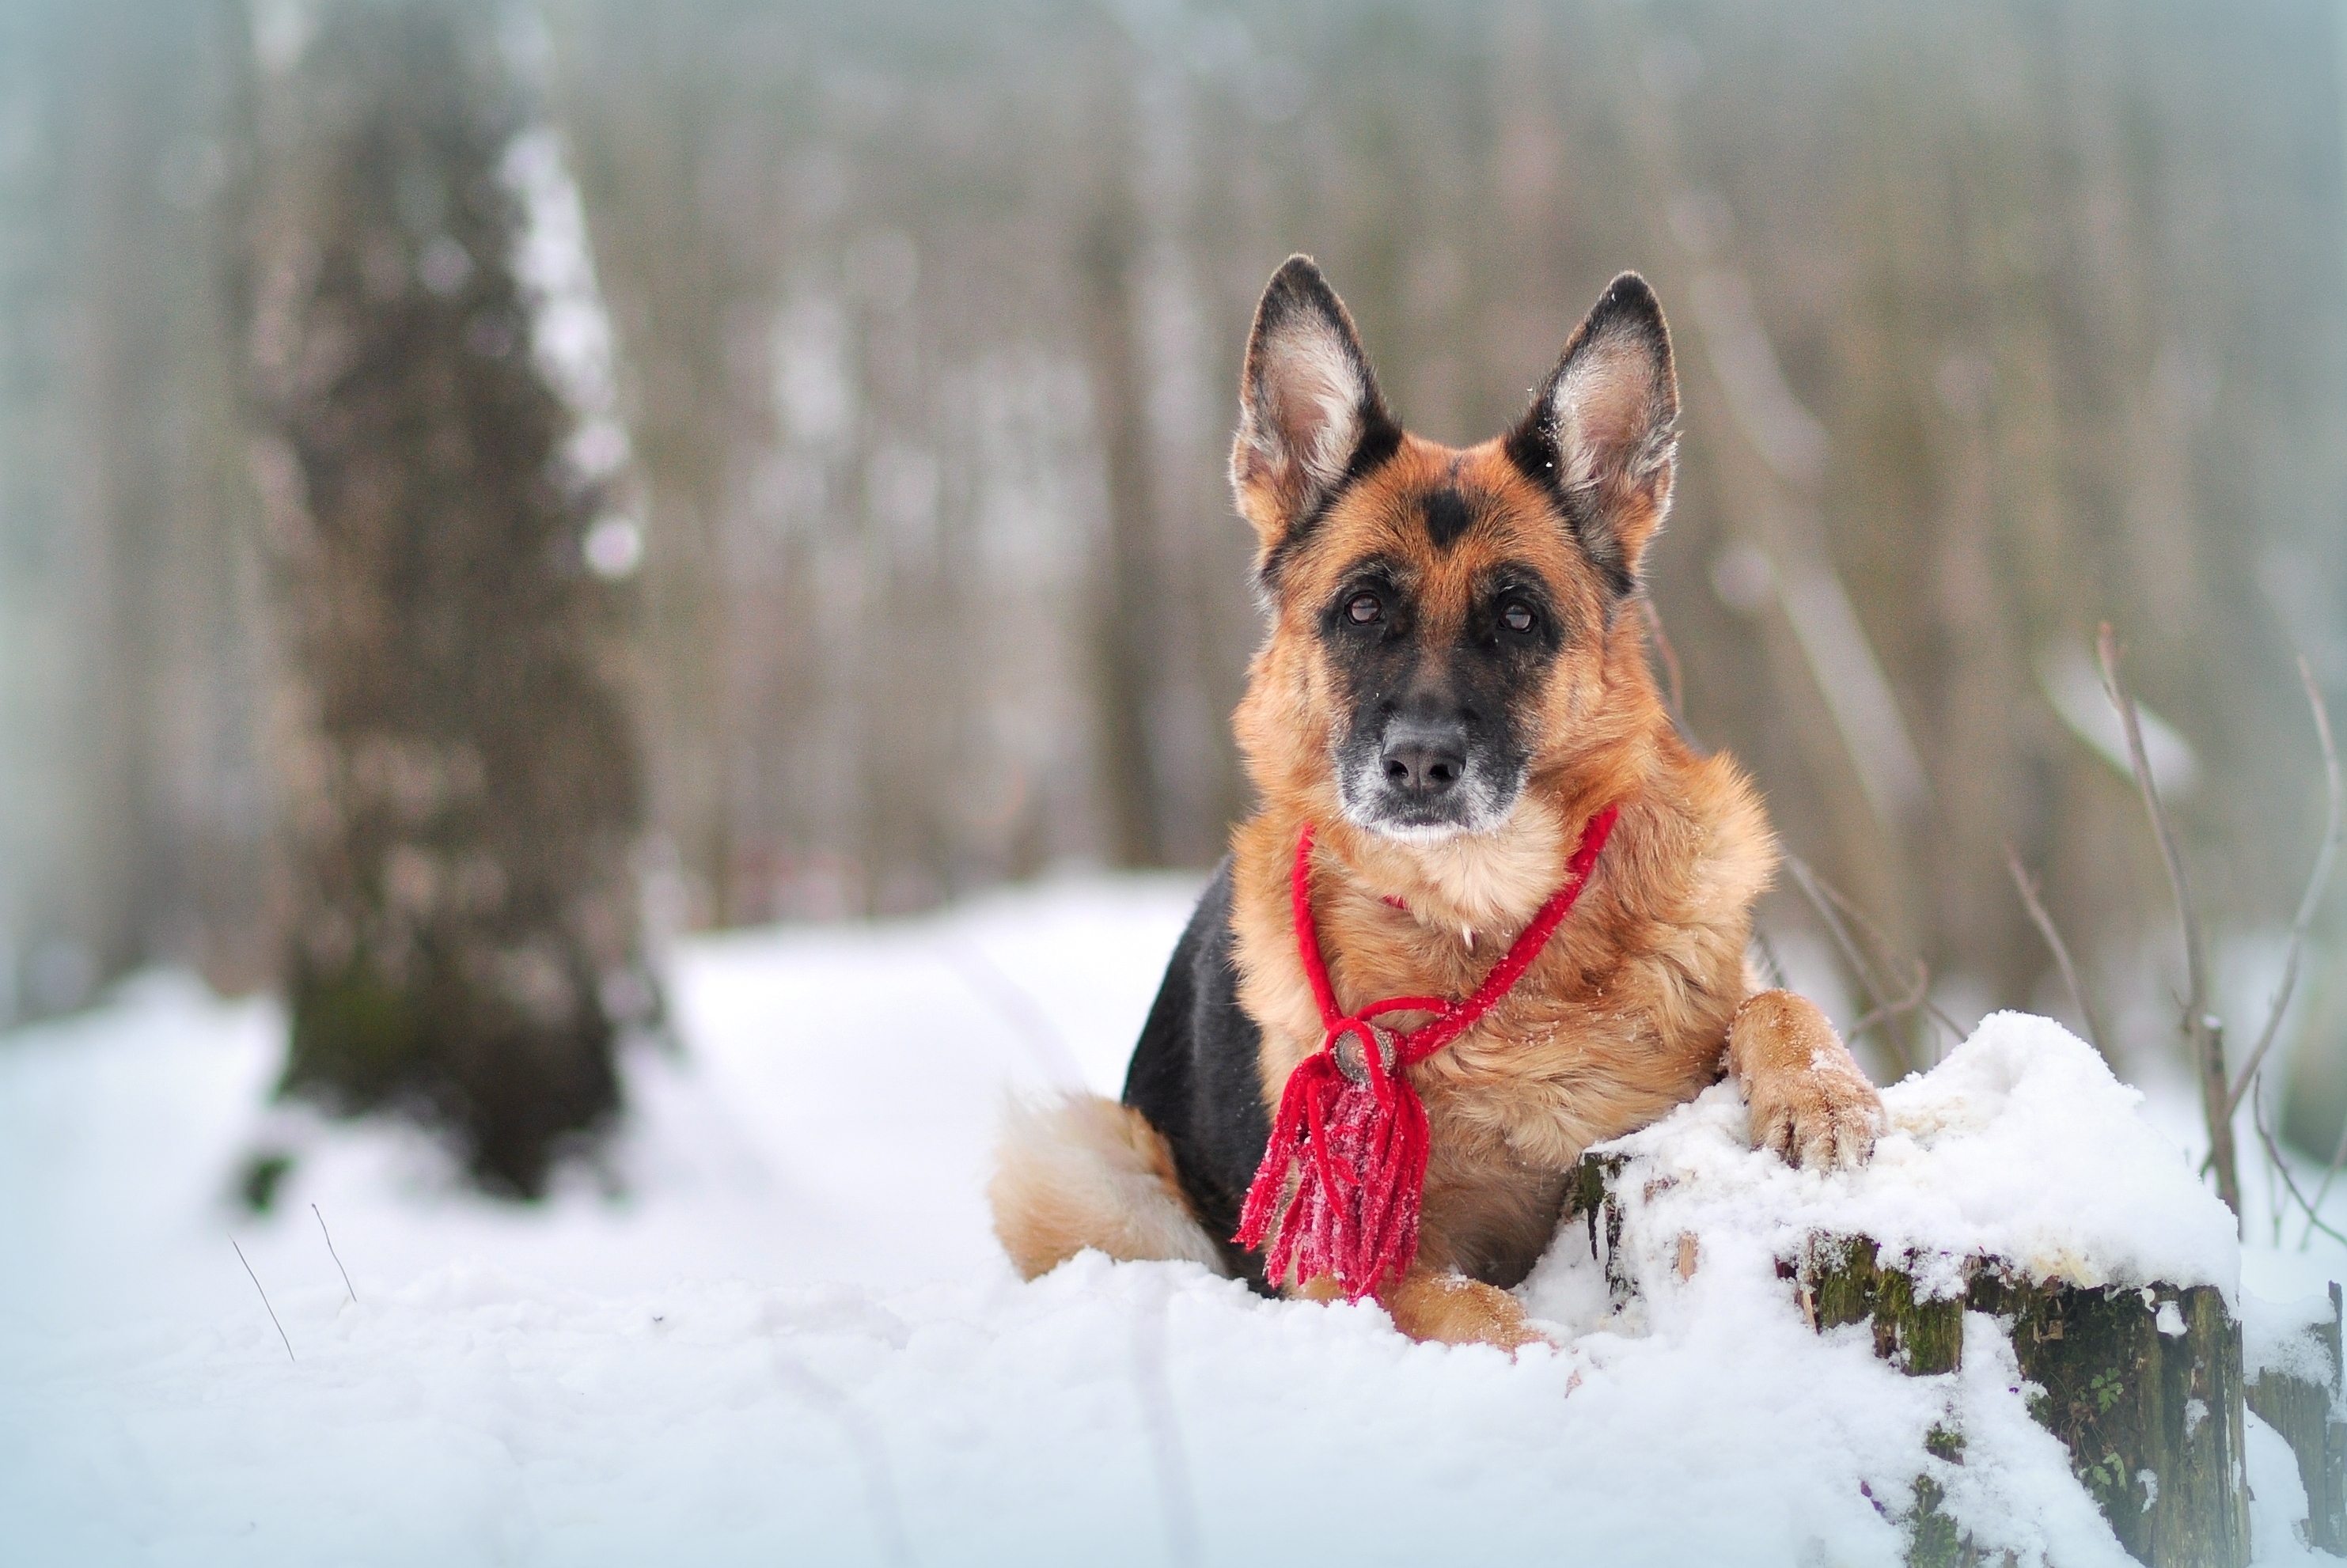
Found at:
(1309, 413)
(1602, 432)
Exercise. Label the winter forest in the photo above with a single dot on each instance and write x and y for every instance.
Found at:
(615, 619)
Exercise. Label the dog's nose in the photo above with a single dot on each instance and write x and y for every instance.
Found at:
(1423, 759)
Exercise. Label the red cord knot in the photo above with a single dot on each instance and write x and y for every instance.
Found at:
(1356, 1139)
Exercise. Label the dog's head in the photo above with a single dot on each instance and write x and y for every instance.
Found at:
(1445, 618)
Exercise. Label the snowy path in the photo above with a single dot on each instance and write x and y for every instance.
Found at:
(793, 1340)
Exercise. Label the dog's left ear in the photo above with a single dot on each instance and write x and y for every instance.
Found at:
(1602, 432)
(1309, 414)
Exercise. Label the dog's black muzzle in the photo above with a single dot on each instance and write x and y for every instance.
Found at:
(1429, 771)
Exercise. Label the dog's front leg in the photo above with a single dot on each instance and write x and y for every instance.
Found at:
(1808, 1099)
(1446, 1307)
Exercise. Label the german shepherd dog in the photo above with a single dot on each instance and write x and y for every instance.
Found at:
(1455, 683)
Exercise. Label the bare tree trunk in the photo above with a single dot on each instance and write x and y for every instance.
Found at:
(463, 780)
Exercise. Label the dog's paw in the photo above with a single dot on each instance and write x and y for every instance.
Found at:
(1809, 1099)
(1826, 1119)
(1452, 1310)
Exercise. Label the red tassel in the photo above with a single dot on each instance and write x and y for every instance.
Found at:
(1360, 1152)
(1358, 1149)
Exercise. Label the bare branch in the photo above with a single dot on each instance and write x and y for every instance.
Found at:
(2316, 883)
(335, 1256)
(1906, 1004)
(2200, 1030)
(1654, 620)
(2330, 1174)
(2281, 1168)
(2046, 929)
(1891, 956)
(1807, 881)
(2195, 959)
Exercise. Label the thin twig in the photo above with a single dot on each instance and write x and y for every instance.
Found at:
(1874, 933)
(2336, 798)
(2046, 929)
(1770, 964)
(2200, 1028)
(335, 1256)
(1670, 657)
(1813, 888)
(1905, 1005)
(1807, 881)
(2273, 1155)
(2330, 1174)
(264, 1297)
(1890, 950)
(2273, 1201)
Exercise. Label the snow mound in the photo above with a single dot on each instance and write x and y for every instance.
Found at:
(2019, 1146)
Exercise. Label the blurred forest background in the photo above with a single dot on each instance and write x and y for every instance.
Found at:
(896, 533)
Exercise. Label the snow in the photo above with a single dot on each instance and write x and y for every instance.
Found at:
(2280, 1337)
(2278, 1497)
(571, 332)
(777, 1329)
(2020, 1145)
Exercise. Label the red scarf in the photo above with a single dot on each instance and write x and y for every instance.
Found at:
(1352, 1127)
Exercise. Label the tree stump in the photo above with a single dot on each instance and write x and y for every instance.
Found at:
(2144, 1385)
(2304, 1411)
(2144, 1388)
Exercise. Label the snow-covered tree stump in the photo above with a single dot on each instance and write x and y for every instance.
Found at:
(2015, 1206)
(2294, 1389)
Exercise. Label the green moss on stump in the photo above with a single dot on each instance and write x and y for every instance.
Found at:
(1842, 1280)
(2131, 1399)
(357, 1037)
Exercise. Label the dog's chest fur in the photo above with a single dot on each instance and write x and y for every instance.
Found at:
(1622, 1015)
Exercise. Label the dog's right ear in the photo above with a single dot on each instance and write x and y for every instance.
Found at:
(1603, 433)
(1309, 413)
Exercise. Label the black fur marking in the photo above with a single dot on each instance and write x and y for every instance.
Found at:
(1598, 545)
(1448, 516)
(1477, 689)
(1531, 447)
(1196, 1077)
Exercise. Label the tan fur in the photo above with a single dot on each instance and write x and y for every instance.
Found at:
(1448, 1308)
(1090, 1172)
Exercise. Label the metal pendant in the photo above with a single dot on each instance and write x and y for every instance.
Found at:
(1350, 1061)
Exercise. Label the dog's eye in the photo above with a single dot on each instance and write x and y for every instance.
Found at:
(1516, 618)
(1364, 608)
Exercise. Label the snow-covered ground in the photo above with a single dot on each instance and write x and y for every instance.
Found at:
(778, 1331)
